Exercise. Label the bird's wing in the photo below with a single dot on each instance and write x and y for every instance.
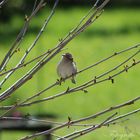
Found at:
(75, 68)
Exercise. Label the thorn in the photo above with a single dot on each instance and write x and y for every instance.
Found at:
(67, 89)
(134, 62)
(115, 53)
(109, 78)
(69, 121)
(112, 80)
(85, 91)
(60, 39)
(95, 80)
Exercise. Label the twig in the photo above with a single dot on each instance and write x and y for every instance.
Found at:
(69, 91)
(127, 103)
(107, 58)
(85, 85)
(58, 95)
(93, 116)
(2, 3)
(73, 90)
(87, 130)
(29, 62)
(115, 54)
(29, 74)
(106, 123)
(43, 121)
(51, 130)
(19, 37)
(32, 45)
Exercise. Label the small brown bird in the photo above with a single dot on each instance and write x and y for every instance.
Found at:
(67, 67)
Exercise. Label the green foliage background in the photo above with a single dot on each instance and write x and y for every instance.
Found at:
(115, 30)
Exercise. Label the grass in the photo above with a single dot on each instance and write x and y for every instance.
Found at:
(116, 29)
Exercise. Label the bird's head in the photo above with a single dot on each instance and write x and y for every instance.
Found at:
(68, 56)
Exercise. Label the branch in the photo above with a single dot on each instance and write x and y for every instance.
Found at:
(87, 130)
(13, 88)
(19, 38)
(3, 2)
(48, 131)
(76, 89)
(103, 60)
(60, 46)
(107, 122)
(127, 103)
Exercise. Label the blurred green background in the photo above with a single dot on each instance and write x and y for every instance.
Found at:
(117, 29)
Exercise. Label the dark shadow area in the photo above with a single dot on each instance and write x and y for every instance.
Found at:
(109, 32)
(25, 6)
(10, 35)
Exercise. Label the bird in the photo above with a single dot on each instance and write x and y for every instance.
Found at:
(67, 67)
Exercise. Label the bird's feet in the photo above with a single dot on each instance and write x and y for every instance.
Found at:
(60, 81)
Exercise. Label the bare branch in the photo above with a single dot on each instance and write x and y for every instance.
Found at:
(60, 46)
(130, 102)
(73, 90)
(105, 123)
(3, 2)
(87, 130)
(19, 38)
(93, 14)
(13, 88)
(48, 131)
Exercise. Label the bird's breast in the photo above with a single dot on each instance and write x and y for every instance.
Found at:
(66, 69)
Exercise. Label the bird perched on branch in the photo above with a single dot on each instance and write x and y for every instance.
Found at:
(67, 67)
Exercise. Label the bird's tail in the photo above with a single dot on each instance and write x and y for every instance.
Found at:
(73, 80)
